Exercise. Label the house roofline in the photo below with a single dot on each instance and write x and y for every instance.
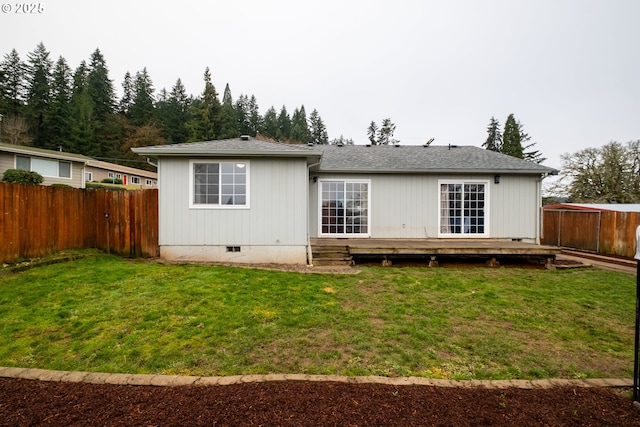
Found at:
(40, 152)
(224, 153)
(441, 171)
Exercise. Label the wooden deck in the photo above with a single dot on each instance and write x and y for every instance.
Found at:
(432, 249)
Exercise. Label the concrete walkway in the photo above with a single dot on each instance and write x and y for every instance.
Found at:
(176, 380)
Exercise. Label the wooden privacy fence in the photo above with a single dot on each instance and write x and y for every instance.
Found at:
(37, 220)
(607, 232)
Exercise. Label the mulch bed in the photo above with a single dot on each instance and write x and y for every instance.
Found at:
(31, 402)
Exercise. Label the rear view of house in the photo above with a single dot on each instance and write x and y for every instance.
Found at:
(248, 200)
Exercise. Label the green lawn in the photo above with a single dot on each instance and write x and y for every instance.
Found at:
(108, 314)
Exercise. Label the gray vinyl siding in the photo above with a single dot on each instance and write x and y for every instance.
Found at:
(277, 214)
(406, 206)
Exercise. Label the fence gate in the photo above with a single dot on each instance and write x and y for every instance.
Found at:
(572, 229)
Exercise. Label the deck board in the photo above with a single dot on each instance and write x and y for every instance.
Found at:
(453, 247)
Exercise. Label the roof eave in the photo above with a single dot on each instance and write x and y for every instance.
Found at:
(224, 153)
(46, 155)
(440, 171)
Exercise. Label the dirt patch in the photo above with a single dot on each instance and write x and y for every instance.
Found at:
(30, 402)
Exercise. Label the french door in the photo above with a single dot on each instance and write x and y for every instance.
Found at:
(463, 209)
(344, 208)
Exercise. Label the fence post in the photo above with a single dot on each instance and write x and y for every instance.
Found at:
(636, 368)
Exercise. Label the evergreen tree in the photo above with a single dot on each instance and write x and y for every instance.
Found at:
(529, 153)
(342, 141)
(38, 92)
(512, 139)
(318, 130)
(299, 126)
(205, 112)
(228, 123)
(142, 109)
(13, 84)
(59, 117)
(385, 133)
(494, 138)
(372, 132)
(284, 125)
(82, 117)
(255, 120)
(127, 95)
(179, 114)
(100, 87)
(243, 115)
(107, 133)
(270, 125)
(226, 98)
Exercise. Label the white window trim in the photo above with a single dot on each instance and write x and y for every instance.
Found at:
(343, 235)
(487, 200)
(57, 176)
(90, 174)
(218, 207)
(148, 182)
(133, 180)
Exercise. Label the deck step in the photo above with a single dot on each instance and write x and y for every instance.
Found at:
(331, 255)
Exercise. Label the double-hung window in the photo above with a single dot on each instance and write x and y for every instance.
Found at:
(463, 208)
(219, 184)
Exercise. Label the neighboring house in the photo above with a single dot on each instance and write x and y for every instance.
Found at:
(56, 167)
(97, 170)
(248, 200)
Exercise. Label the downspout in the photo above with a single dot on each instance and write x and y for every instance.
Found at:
(539, 207)
(309, 251)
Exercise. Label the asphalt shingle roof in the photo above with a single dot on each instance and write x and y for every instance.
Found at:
(361, 158)
(412, 158)
(235, 146)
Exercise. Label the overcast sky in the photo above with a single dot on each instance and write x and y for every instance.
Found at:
(568, 69)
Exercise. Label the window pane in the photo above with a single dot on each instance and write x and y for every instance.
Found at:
(64, 170)
(23, 163)
(45, 167)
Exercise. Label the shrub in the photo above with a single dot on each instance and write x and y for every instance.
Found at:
(19, 176)
(112, 181)
(99, 186)
(61, 185)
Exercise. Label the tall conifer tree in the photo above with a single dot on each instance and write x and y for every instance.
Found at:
(494, 137)
(13, 84)
(318, 130)
(59, 117)
(512, 139)
(142, 108)
(38, 93)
